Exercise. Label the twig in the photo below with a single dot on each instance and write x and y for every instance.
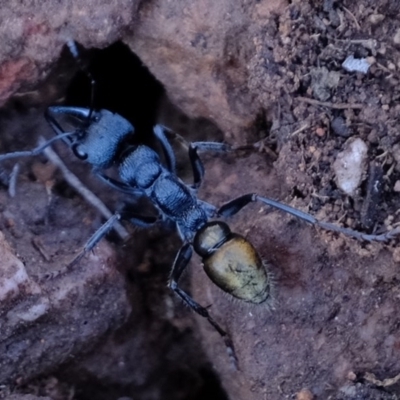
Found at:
(297, 131)
(337, 106)
(370, 377)
(352, 16)
(83, 190)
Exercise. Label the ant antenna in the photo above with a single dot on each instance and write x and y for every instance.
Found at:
(73, 49)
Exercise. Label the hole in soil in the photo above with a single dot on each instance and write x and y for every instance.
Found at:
(263, 128)
(123, 85)
(296, 192)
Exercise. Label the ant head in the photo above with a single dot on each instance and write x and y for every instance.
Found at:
(210, 237)
(98, 140)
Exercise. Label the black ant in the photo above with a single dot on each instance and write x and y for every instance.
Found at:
(229, 259)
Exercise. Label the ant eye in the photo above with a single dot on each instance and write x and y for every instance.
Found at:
(78, 152)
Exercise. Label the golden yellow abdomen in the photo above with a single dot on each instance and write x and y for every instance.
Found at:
(237, 269)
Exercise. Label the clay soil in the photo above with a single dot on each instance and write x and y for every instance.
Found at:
(335, 319)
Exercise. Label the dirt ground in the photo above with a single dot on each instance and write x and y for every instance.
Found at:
(335, 320)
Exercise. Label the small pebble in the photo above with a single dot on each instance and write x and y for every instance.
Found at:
(371, 60)
(323, 82)
(9, 223)
(320, 132)
(339, 126)
(396, 155)
(304, 394)
(351, 376)
(397, 186)
(350, 165)
(396, 37)
(373, 137)
(376, 18)
(352, 64)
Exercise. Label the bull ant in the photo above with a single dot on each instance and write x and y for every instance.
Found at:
(229, 259)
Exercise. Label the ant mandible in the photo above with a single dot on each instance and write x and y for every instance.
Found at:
(229, 259)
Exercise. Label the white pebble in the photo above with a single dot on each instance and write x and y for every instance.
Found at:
(350, 165)
(396, 37)
(352, 64)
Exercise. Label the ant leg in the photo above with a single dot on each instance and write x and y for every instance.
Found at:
(73, 49)
(13, 180)
(181, 262)
(95, 238)
(137, 219)
(4, 177)
(143, 221)
(77, 112)
(166, 148)
(120, 186)
(197, 165)
(210, 210)
(237, 204)
(9, 180)
(59, 131)
(90, 244)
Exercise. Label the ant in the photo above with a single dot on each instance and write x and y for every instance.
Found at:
(230, 260)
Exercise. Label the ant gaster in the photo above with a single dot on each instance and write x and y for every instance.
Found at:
(229, 260)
